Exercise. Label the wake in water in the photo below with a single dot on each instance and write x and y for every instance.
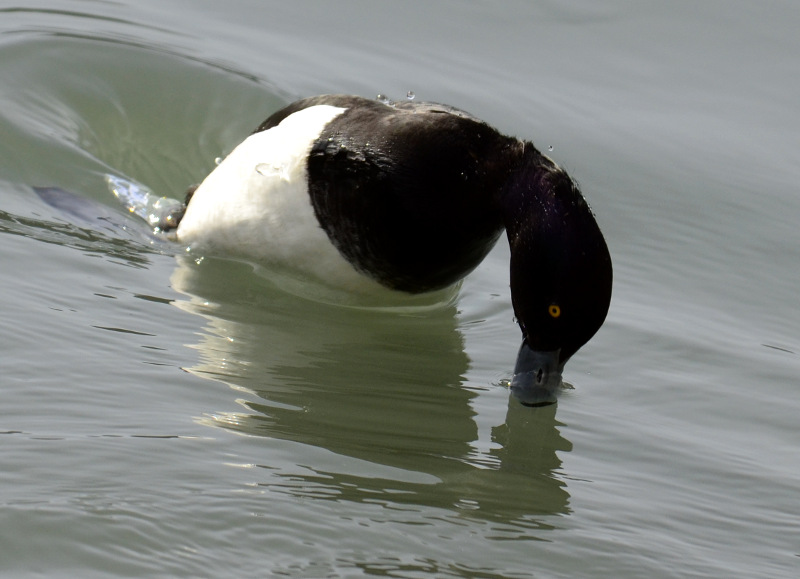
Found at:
(95, 226)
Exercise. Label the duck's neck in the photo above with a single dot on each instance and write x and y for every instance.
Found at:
(557, 248)
(537, 195)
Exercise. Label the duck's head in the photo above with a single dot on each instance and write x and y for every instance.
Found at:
(560, 274)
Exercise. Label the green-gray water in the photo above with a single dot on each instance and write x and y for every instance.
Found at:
(163, 417)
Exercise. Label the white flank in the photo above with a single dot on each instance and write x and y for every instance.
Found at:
(255, 206)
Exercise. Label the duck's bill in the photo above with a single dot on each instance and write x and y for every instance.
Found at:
(537, 376)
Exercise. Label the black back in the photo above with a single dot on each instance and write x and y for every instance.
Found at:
(407, 192)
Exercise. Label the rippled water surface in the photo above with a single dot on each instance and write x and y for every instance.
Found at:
(162, 415)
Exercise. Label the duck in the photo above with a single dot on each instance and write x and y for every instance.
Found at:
(410, 197)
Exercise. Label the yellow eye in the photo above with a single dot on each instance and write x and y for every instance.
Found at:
(554, 310)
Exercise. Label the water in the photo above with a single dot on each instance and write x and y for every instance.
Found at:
(166, 415)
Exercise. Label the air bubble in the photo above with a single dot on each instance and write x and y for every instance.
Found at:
(410, 95)
(384, 99)
(550, 148)
(218, 160)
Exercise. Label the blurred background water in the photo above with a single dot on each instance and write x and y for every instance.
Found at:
(164, 417)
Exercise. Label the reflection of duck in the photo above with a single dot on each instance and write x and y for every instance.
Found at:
(412, 196)
(375, 402)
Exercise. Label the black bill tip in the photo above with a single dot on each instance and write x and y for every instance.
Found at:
(537, 377)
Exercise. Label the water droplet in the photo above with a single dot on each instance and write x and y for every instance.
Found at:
(265, 169)
(271, 170)
(410, 95)
(550, 148)
(384, 99)
(159, 211)
(218, 160)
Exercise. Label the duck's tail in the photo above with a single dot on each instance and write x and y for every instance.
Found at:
(163, 214)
